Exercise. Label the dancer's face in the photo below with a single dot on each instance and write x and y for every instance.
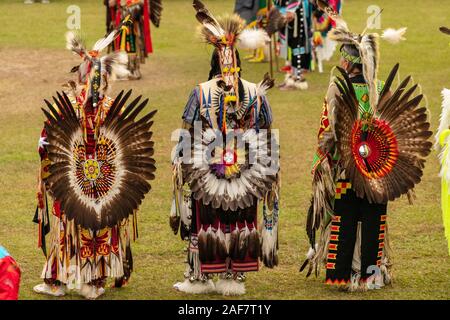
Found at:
(229, 65)
(344, 64)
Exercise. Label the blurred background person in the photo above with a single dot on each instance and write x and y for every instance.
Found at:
(9, 276)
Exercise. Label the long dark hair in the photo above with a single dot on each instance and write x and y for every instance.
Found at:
(351, 49)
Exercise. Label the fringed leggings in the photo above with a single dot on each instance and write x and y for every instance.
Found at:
(349, 210)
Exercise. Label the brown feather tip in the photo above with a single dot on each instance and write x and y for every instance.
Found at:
(445, 30)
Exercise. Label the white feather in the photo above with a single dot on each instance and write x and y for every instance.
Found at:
(74, 43)
(222, 187)
(261, 88)
(241, 188)
(119, 65)
(70, 36)
(104, 42)
(217, 31)
(444, 122)
(369, 60)
(311, 253)
(394, 36)
(252, 39)
(269, 240)
(212, 184)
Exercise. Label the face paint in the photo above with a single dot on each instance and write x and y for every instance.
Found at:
(229, 65)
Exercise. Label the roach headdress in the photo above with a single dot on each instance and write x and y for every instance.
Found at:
(227, 31)
(366, 45)
(95, 72)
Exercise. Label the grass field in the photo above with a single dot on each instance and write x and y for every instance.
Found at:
(35, 64)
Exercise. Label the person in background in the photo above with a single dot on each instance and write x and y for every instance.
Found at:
(32, 1)
(295, 34)
(9, 276)
(247, 9)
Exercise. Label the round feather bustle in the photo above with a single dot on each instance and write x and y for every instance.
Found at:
(401, 118)
(254, 180)
(122, 185)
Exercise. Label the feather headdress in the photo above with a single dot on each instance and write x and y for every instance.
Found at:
(228, 30)
(111, 66)
(367, 45)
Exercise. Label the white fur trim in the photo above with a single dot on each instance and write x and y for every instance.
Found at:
(290, 82)
(195, 287)
(302, 85)
(230, 287)
(91, 292)
(43, 288)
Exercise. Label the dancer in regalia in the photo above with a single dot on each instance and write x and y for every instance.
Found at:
(225, 168)
(96, 161)
(372, 145)
(256, 18)
(137, 40)
(442, 144)
(324, 47)
(9, 276)
(293, 20)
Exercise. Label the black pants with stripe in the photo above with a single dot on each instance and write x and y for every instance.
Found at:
(349, 210)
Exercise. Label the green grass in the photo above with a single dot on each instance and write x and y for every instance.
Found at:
(36, 64)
